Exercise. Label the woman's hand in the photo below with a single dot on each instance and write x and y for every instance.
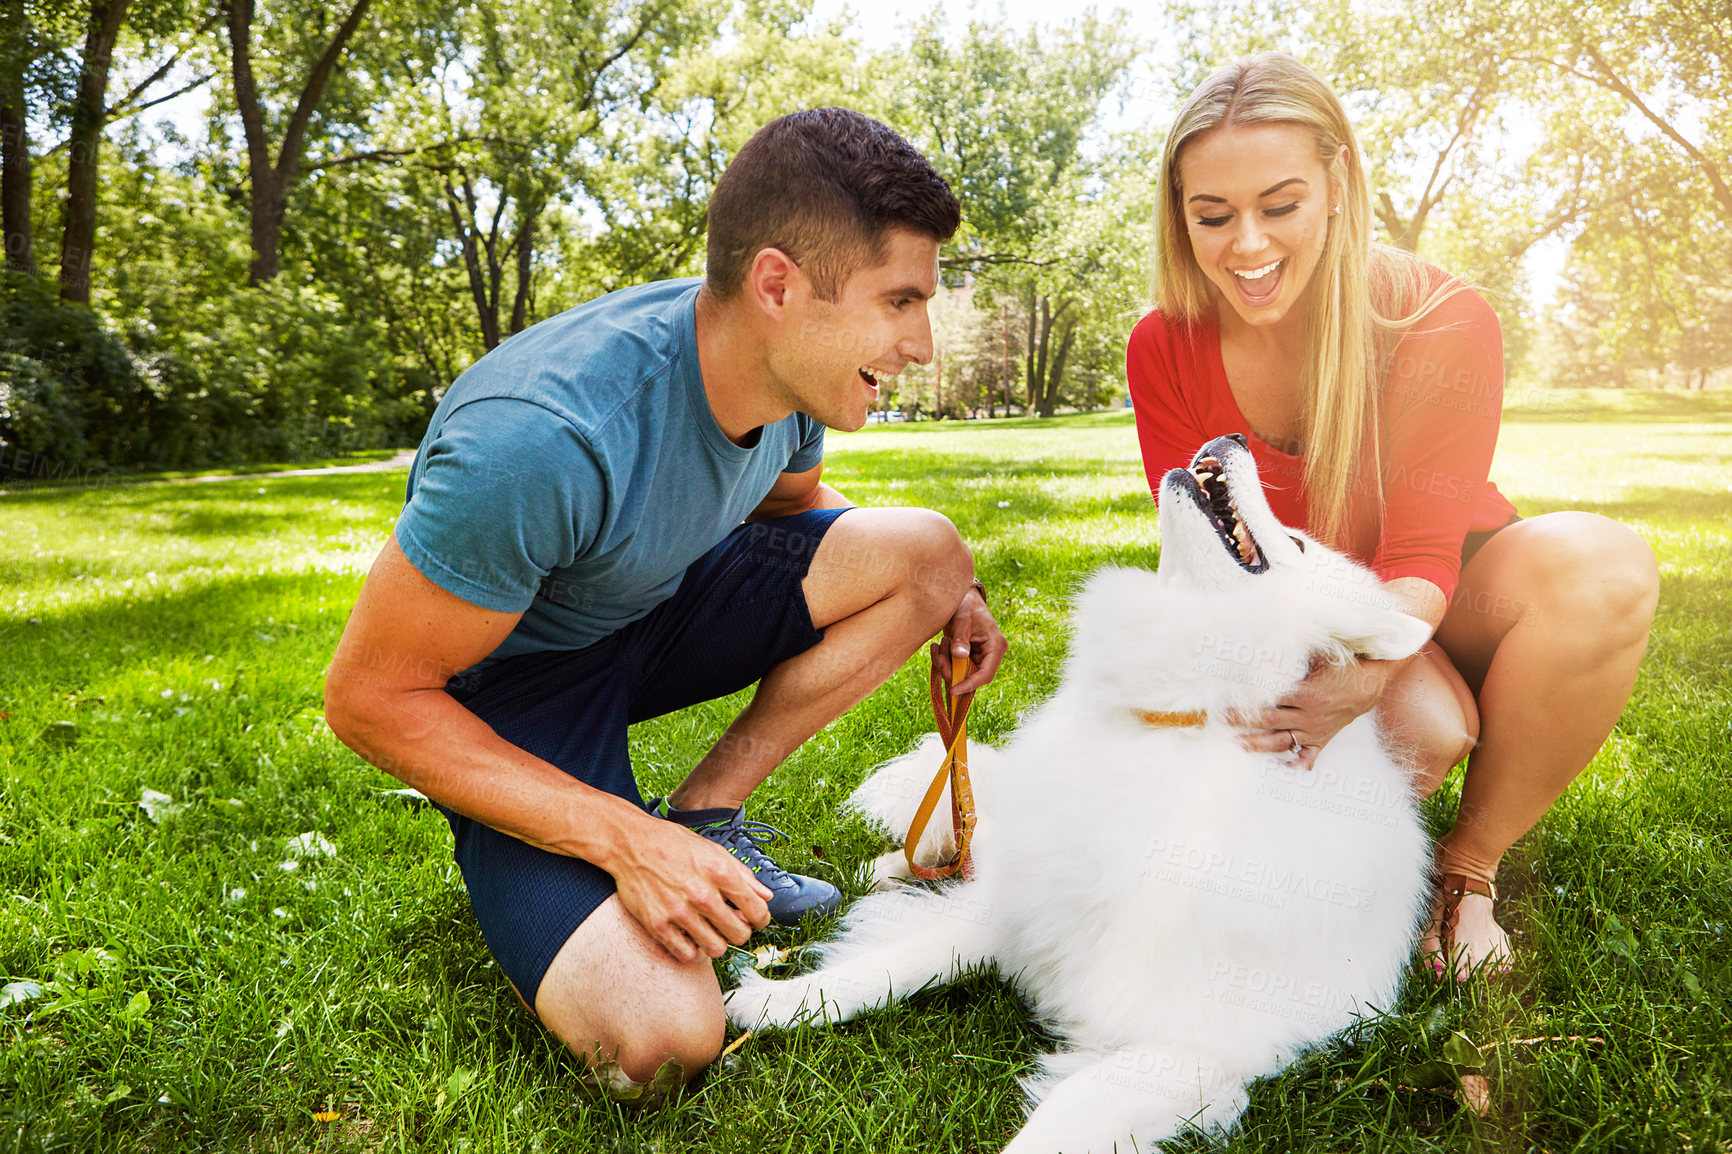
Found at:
(1321, 706)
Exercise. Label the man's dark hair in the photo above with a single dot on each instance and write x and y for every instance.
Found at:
(823, 186)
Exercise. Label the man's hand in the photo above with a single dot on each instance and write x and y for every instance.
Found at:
(972, 633)
(689, 893)
(1321, 706)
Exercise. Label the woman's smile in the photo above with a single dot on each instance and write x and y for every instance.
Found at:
(1259, 286)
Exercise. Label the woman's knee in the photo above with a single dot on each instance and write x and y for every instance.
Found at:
(1598, 575)
(1433, 753)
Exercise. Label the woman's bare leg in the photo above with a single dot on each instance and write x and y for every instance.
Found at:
(1547, 629)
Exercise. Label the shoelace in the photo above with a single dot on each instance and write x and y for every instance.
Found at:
(748, 838)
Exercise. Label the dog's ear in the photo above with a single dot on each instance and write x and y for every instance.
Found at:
(1386, 635)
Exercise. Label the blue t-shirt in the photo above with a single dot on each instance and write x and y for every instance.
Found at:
(574, 472)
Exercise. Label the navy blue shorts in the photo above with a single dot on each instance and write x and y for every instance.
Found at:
(739, 611)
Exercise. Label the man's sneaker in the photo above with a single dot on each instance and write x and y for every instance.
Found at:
(792, 896)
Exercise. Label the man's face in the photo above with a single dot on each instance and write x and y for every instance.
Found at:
(834, 354)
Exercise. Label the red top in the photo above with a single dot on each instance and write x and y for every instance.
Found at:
(1442, 399)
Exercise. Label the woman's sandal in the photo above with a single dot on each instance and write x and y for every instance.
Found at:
(1449, 889)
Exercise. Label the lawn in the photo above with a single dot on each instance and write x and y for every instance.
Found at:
(276, 952)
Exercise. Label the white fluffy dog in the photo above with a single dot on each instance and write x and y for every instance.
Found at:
(1185, 915)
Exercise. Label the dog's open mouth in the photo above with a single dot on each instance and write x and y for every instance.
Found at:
(1223, 514)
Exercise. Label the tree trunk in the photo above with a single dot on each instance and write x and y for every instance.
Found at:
(525, 242)
(15, 173)
(938, 382)
(1028, 365)
(267, 229)
(1049, 394)
(271, 182)
(463, 220)
(1403, 233)
(89, 112)
(1037, 388)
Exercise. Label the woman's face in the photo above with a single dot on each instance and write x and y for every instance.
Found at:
(1257, 205)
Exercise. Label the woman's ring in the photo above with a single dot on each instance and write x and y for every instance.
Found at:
(1297, 746)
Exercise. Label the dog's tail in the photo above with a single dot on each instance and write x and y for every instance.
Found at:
(889, 798)
(890, 946)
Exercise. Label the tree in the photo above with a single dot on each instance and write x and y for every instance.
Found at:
(1668, 63)
(1648, 94)
(555, 98)
(271, 179)
(652, 196)
(39, 83)
(1006, 120)
(17, 51)
(89, 117)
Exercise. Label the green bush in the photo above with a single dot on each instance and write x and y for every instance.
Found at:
(272, 373)
(279, 373)
(71, 394)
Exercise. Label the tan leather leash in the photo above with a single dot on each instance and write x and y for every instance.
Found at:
(951, 713)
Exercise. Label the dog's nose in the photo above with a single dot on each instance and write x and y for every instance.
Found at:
(1239, 437)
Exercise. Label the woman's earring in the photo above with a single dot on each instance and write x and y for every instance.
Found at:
(1336, 211)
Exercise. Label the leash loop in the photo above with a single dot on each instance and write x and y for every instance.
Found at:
(951, 714)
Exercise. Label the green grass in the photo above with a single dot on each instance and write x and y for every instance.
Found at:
(197, 996)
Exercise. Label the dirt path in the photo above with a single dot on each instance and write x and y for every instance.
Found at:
(402, 460)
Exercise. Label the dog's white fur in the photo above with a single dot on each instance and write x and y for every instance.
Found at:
(1185, 915)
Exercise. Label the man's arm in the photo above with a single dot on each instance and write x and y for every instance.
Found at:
(796, 493)
(385, 698)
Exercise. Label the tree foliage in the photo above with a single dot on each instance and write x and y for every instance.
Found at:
(1008, 119)
(381, 193)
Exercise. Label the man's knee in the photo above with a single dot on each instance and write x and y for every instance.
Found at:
(615, 998)
(690, 1042)
(941, 566)
(638, 1040)
(914, 554)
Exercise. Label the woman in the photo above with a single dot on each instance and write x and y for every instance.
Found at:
(1371, 385)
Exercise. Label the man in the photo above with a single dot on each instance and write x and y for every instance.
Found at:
(571, 558)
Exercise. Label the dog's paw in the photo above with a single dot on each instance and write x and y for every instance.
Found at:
(759, 1003)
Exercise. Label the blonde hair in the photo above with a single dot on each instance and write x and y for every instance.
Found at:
(1363, 295)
